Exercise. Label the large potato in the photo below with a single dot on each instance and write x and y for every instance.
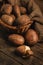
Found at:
(6, 8)
(23, 23)
(31, 37)
(23, 20)
(8, 19)
(16, 39)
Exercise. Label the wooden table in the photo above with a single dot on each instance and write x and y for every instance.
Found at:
(8, 57)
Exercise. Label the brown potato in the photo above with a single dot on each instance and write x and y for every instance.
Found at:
(23, 51)
(7, 19)
(13, 17)
(31, 37)
(16, 39)
(23, 20)
(16, 10)
(6, 8)
(23, 23)
(7, 27)
(23, 10)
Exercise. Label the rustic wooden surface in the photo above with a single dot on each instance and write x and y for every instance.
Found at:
(8, 57)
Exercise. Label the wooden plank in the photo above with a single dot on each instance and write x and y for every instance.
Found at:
(36, 62)
(9, 50)
(6, 60)
(15, 58)
(38, 51)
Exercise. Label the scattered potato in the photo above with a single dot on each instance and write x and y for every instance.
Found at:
(16, 39)
(31, 37)
(24, 51)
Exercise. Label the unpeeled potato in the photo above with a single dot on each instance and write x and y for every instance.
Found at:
(8, 19)
(23, 10)
(23, 20)
(16, 10)
(16, 39)
(23, 23)
(31, 37)
(6, 8)
(24, 51)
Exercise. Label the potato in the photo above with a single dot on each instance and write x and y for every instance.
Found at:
(16, 39)
(16, 10)
(23, 23)
(31, 37)
(13, 17)
(7, 19)
(23, 10)
(24, 51)
(6, 8)
(7, 27)
(23, 20)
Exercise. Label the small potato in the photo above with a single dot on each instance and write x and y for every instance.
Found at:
(16, 10)
(7, 19)
(13, 17)
(6, 8)
(31, 37)
(23, 10)
(24, 51)
(16, 39)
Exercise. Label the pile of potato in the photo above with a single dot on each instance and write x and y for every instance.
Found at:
(15, 17)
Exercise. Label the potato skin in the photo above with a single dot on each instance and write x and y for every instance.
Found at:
(6, 8)
(26, 51)
(23, 20)
(16, 39)
(13, 17)
(31, 37)
(22, 10)
(23, 23)
(7, 19)
(16, 10)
